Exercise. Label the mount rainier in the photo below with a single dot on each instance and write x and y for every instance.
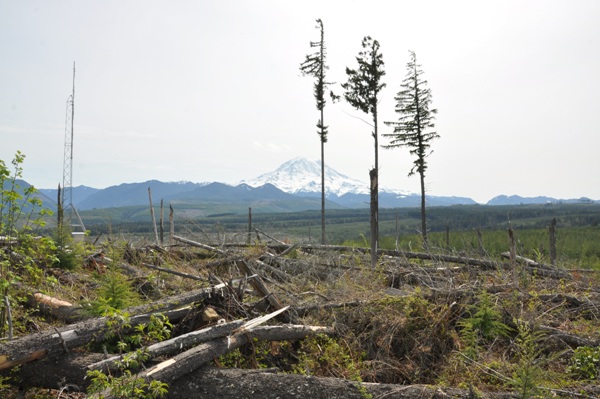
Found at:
(302, 176)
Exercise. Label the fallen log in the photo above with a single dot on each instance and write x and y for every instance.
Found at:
(281, 276)
(272, 238)
(175, 272)
(57, 308)
(566, 340)
(484, 263)
(170, 370)
(35, 346)
(174, 345)
(183, 342)
(261, 288)
(540, 268)
(216, 383)
(199, 245)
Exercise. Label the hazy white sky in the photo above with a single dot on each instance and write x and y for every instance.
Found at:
(211, 90)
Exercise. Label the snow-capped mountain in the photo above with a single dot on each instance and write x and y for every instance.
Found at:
(303, 176)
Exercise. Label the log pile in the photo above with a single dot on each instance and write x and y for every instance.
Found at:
(257, 300)
(48, 356)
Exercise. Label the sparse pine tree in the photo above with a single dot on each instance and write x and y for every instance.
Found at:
(414, 126)
(362, 92)
(314, 65)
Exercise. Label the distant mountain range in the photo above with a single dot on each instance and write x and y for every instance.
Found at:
(294, 186)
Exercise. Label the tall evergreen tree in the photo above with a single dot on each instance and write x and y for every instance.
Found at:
(414, 126)
(362, 92)
(314, 65)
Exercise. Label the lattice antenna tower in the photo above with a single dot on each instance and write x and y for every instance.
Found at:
(67, 197)
(67, 184)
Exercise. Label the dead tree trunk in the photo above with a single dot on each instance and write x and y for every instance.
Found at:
(171, 225)
(249, 225)
(552, 239)
(162, 223)
(374, 219)
(153, 218)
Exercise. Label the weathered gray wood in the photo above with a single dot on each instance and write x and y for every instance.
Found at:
(259, 285)
(272, 238)
(172, 369)
(174, 345)
(153, 218)
(171, 225)
(175, 272)
(199, 245)
(35, 346)
(539, 268)
(281, 276)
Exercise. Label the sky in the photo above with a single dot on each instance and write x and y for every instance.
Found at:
(210, 90)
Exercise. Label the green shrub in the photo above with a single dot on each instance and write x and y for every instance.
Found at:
(585, 363)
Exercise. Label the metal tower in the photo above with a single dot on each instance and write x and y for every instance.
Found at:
(67, 183)
(67, 197)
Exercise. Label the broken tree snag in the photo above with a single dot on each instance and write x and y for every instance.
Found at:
(171, 225)
(552, 241)
(153, 218)
(162, 223)
(249, 240)
(199, 245)
(513, 248)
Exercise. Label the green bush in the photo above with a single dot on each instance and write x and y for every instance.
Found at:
(585, 363)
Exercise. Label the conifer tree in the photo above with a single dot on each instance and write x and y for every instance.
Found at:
(414, 126)
(314, 65)
(362, 92)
